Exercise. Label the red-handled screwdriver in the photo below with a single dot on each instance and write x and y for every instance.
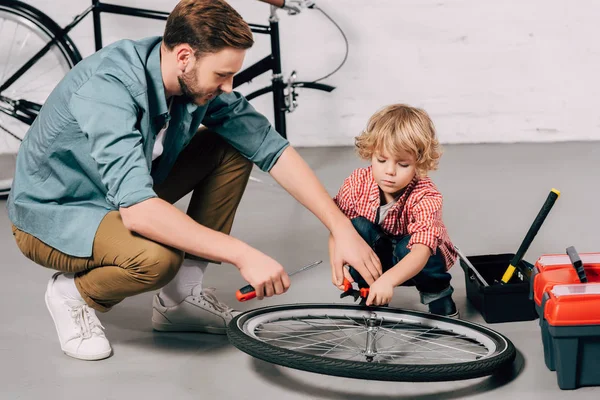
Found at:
(248, 292)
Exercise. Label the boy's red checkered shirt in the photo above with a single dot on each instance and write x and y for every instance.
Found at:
(418, 211)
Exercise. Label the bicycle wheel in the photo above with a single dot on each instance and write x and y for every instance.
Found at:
(377, 343)
(25, 31)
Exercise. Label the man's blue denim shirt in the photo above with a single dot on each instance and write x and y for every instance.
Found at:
(90, 149)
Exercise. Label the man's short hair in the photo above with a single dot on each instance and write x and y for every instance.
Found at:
(208, 26)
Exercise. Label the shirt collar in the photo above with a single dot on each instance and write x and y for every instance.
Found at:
(374, 191)
(157, 98)
(191, 107)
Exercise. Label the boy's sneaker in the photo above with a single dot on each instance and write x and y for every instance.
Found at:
(200, 312)
(444, 306)
(79, 330)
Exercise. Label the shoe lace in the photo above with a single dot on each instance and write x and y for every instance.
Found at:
(208, 294)
(86, 321)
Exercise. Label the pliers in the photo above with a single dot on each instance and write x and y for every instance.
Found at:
(352, 289)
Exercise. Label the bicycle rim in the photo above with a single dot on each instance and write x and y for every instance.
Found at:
(22, 37)
(377, 343)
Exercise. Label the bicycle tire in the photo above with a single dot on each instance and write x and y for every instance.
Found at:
(245, 342)
(43, 21)
(39, 25)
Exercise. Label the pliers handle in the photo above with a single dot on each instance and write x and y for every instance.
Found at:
(350, 290)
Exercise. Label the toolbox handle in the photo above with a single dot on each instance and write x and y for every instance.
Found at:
(577, 264)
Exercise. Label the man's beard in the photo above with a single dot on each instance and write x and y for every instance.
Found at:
(189, 94)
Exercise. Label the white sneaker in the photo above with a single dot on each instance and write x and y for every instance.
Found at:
(79, 330)
(200, 312)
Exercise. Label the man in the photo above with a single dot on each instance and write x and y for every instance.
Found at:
(117, 143)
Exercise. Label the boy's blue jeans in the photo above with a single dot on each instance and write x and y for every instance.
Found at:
(432, 282)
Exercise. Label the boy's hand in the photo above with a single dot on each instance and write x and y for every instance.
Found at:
(380, 292)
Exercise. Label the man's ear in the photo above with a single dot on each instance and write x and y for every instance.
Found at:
(185, 56)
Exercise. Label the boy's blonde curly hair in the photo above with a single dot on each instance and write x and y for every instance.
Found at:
(400, 127)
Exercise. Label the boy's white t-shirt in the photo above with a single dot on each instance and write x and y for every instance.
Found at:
(160, 138)
(384, 209)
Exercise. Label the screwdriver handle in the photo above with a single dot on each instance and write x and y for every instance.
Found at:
(246, 293)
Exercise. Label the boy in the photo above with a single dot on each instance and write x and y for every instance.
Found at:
(397, 209)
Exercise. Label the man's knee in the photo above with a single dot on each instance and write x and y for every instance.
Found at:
(158, 266)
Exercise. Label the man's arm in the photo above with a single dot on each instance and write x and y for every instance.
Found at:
(164, 223)
(116, 146)
(295, 176)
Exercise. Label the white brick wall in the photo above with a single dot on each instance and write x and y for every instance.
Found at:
(486, 71)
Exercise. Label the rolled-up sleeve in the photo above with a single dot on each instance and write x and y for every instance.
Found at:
(232, 117)
(345, 198)
(116, 144)
(425, 222)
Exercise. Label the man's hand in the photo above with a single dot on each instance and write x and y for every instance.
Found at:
(348, 248)
(266, 275)
(294, 7)
(380, 292)
(292, 172)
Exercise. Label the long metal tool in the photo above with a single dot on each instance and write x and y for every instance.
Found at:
(471, 267)
(248, 292)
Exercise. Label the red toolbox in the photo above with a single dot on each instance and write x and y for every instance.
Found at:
(553, 261)
(571, 321)
(556, 269)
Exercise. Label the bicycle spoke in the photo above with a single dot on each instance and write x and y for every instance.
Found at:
(438, 352)
(49, 84)
(24, 42)
(8, 131)
(292, 334)
(430, 341)
(402, 342)
(312, 341)
(12, 42)
(395, 341)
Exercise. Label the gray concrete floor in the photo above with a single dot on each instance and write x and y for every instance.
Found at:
(492, 193)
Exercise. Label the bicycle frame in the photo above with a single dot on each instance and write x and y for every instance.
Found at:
(271, 62)
(27, 111)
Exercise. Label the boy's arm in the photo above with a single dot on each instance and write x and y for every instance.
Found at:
(409, 266)
(425, 221)
(425, 227)
(425, 230)
(380, 293)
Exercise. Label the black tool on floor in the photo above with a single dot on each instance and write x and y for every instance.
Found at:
(577, 264)
(533, 230)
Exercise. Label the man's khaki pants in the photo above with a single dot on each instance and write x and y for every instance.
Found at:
(123, 263)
